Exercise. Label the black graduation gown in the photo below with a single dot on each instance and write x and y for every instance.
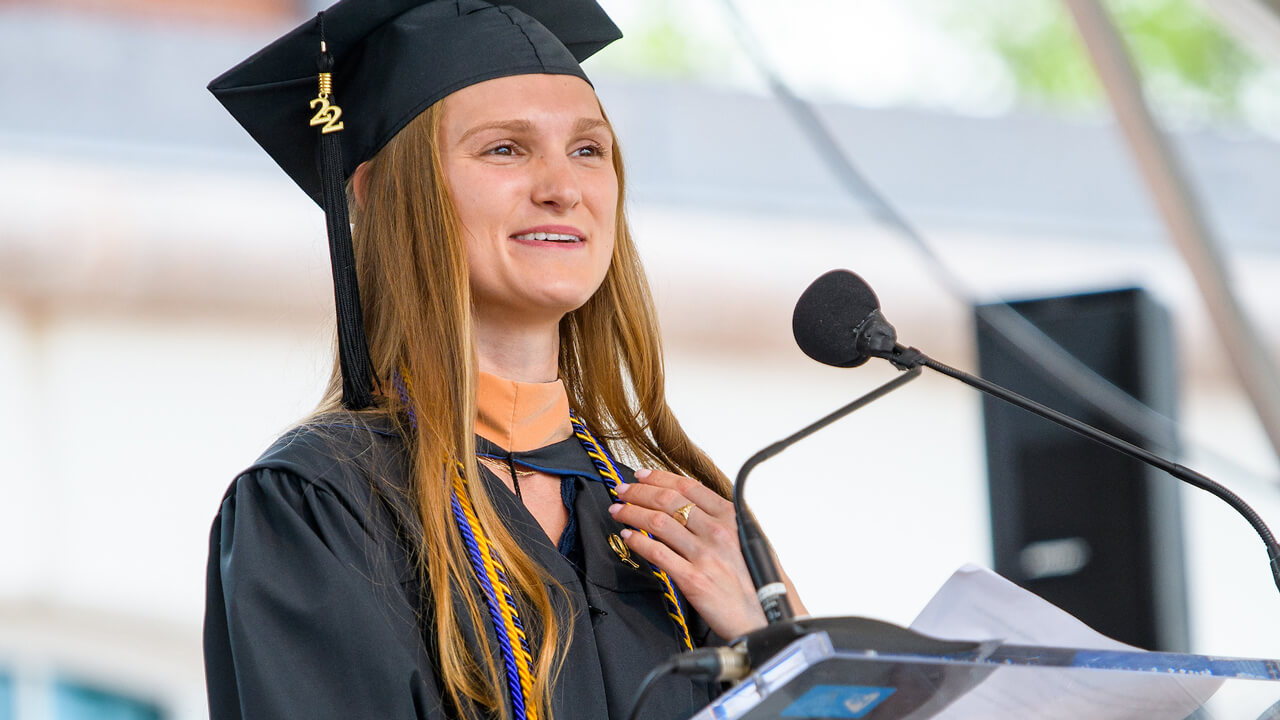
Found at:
(313, 609)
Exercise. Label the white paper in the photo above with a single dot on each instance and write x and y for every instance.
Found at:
(977, 604)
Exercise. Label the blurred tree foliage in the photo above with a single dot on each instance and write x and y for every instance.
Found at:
(1188, 61)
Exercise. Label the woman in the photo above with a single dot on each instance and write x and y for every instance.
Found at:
(444, 538)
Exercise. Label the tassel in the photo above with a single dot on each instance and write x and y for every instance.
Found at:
(353, 347)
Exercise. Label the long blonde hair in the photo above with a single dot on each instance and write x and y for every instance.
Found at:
(415, 294)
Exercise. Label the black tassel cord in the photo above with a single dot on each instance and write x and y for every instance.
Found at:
(353, 347)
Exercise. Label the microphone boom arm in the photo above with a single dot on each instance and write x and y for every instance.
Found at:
(770, 589)
(906, 357)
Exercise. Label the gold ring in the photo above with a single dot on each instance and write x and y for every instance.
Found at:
(682, 515)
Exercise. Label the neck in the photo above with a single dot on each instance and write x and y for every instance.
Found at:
(518, 351)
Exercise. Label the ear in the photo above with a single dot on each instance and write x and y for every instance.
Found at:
(359, 183)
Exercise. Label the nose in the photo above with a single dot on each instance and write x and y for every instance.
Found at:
(555, 184)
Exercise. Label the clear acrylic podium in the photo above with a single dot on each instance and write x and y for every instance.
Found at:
(859, 668)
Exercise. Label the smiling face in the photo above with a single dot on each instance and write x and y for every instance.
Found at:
(528, 163)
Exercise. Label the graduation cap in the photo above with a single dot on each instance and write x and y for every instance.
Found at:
(328, 95)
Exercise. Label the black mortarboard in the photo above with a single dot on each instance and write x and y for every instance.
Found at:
(384, 62)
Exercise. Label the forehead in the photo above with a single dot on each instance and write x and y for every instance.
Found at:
(543, 100)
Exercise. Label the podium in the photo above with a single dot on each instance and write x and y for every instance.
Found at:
(860, 668)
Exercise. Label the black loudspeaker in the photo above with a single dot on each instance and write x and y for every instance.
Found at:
(1092, 531)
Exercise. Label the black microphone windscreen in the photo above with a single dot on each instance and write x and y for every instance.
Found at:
(827, 316)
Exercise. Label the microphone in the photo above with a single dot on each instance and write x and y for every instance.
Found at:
(837, 321)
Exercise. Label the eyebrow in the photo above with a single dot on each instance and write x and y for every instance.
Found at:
(524, 126)
(589, 124)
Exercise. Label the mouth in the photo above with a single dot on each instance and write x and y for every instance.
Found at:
(566, 238)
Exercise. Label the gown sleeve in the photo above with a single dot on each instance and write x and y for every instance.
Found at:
(304, 616)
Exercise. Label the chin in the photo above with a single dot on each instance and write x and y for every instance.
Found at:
(566, 305)
(569, 294)
(537, 297)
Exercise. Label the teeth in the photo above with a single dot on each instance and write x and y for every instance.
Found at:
(551, 237)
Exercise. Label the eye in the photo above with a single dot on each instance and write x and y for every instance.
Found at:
(590, 150)
(505, 149)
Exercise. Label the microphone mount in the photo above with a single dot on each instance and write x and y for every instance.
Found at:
(875, 337)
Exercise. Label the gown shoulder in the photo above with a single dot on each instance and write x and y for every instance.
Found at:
(309, 609)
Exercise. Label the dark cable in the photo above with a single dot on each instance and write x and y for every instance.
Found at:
(667, 667)
(714, 663)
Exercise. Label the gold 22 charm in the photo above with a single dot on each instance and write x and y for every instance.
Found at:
(327, 115)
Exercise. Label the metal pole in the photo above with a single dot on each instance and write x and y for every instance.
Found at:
(1180, 211)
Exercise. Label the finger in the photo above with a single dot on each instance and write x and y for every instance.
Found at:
(701, 495)
(719, 531)
(675, 566)
(669, 502)
(661, 525)
(655, 497)
(730, 613)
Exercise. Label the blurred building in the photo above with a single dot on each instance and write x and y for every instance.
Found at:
(165, 311)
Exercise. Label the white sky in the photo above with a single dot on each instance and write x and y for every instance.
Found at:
(869, 52)
(889, 52)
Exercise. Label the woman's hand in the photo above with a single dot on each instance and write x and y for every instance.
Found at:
(701, 556)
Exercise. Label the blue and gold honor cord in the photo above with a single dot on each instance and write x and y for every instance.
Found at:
(608, 470)
(491, 575)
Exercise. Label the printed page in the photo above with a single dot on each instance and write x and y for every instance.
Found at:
(977, 604)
